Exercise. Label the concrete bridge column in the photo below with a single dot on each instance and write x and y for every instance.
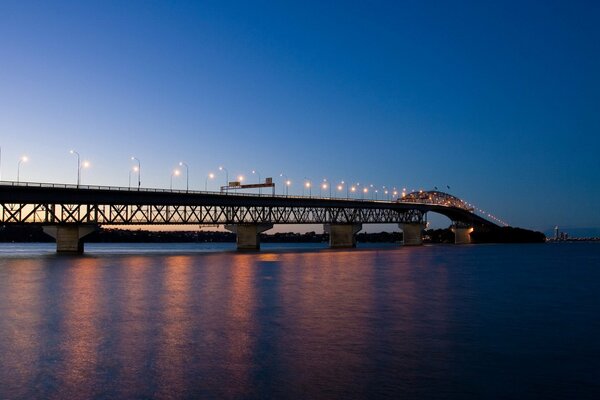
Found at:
(247, 235)
(68, 237)
(413, 233)
(342, 235)
(462, 235)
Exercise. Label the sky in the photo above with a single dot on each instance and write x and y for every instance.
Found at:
(500, 101)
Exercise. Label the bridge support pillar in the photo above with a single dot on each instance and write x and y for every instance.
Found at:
(247, 235)
(412, 233)
(462, 235)
(342, 235)
(68, 237)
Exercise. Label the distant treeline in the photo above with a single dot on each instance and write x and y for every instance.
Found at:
(34, 233)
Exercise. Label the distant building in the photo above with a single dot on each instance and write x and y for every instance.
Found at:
(556, 232)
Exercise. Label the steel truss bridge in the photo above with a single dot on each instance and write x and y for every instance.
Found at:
(56, 204)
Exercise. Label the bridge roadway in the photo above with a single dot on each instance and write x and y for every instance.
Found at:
(69, 212)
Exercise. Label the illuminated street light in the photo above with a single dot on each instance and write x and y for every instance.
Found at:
(174, 173)
(22, 159)
(364, 191)
(187, 175)
(324, 186)
(85, 164)
(285, 181)
(134, 169)
(308, 185)
(221, 168)
(209, 176)
(241, 178)
(78, 166)
(139, 171)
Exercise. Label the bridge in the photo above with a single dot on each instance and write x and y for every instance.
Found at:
(69, 212)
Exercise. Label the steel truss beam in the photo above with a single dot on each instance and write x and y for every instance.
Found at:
(127, 214)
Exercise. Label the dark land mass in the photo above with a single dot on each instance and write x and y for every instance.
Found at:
(34, 233)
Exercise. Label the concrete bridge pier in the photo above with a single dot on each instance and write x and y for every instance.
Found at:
(413, 233)
(462, 235)
(68, 237)
(247, 235)
(342, 235)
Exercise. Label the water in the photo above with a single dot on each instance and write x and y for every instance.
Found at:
(300, 322)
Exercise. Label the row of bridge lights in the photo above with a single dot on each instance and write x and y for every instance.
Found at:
(351, 188)
(487, 214)
(80, 165)
(308, 184)
(389, 193)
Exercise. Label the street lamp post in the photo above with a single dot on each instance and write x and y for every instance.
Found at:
(285, 183)
(324, 186)
(22, 159)
(174, 173)
(209, 176)
(134, 169)
(78, 166)
(221, 168)
(187, 175)
(84, 164)
(308, 185)
(139, 171)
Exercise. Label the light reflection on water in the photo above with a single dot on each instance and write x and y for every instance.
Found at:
(440, 321)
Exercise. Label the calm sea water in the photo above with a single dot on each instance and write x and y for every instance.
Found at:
(300, 322)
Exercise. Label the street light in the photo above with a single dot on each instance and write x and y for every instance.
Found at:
(134, 169)
(308, 185)
(209, 176)
(22, 159)
(174, 173)
(84, 164)
(285, 181)
(221, 168)
(78, 166)
(287, 186)
(324, 186)
(364, 191)
(139, 171)
(187, 175)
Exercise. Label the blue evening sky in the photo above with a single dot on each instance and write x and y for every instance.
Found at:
(499, 100)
